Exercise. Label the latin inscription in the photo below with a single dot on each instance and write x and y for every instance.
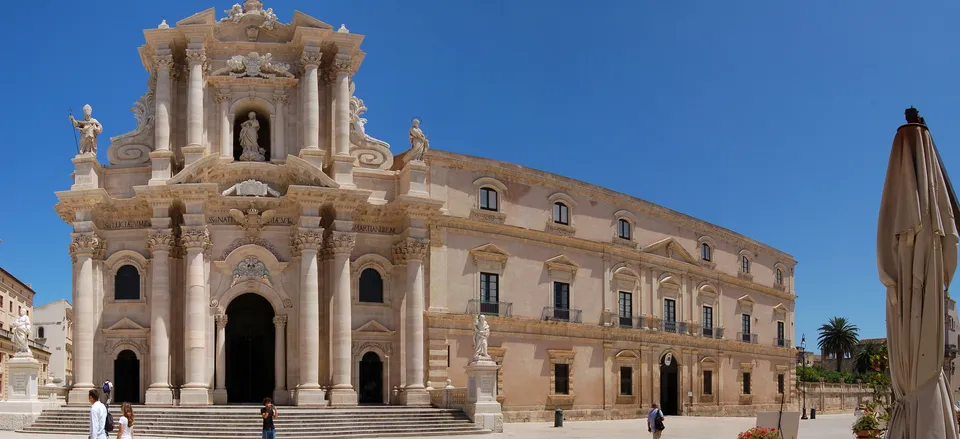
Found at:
(20, 384)
(275, 221)
(374, 228)
(128, 224)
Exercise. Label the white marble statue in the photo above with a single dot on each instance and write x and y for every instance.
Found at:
(252, 152)
(89, 128)
(269, 19)
(21, 332)
(234, 14)
(481, 332)
(418, 142)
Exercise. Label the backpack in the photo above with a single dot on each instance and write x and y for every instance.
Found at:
(108, 425)
(106, 387)
(658, 422)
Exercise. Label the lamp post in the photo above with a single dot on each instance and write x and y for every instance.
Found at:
(803, 361)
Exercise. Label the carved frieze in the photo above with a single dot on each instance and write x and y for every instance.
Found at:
(251, 268)
(488, 216)
(255, 240)
(160, 240)
(195, 237)
(410, 248)
(360, 347)
(254, 65)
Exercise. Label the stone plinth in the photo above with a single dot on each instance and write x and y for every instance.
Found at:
(482, 406)
(86, 174)
(343, 170)
(413, 179)
(160, 396)
(23, 406)
(415, 397)
(310, 397)
(195, 396)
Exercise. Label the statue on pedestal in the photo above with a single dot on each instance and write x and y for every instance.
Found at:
(252, 152)
(481, 332)
(20, 328)
(89, 128)
(418, 142)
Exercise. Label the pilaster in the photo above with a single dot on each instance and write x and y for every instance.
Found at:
(306, 243)
(160, 241)
(411, 253)
(85, 247)
(341, 244)
(220, 391)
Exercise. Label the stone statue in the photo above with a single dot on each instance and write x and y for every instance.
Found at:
(418, 142)
(481, 332)
(21, 333)
(252, 152)
(234, 14)
(89, 128)
(269, 19)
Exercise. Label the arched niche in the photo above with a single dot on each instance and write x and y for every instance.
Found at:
(265, 111)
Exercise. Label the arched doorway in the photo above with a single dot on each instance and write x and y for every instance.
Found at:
(249, 344)
(371, 379)
(669, 385)
(126, 377)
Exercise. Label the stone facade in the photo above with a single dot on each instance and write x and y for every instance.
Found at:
(355, 272)
(14, 296)
(53, 328)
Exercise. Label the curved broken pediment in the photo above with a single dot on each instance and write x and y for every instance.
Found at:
(253, 178)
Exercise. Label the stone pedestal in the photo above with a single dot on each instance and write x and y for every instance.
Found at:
(314, 156)
(159, 396)
(195, 396)
(160, 167)
(192, 153)
(310, 397)
(413, 179)
(482, 406)
(343, 397)
(415, 397)
(86, 174)
(343, 170)
(23, 406)
(220, 396)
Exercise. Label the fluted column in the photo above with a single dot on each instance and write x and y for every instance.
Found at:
(342, 69)
(278, 151)
(84, 246)
(220, 392)
(311, 100)
(226, 140)
(280, 353)
(307, 242)
(195, 60)
(160, 157)
(195, 239)
(159, 392)
(343, 394)
(412, 253)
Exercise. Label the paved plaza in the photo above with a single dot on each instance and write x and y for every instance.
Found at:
(825, 426)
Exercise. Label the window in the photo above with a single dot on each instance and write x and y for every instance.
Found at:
(705, 252)
(488, 199)
(626, 381)
(40, 333)
(670, 315)
(707, 321)
(489, 293)
(708, 382)
(623, 228)
(780, 383)
(745, 327)
(779, 277)
(744, 264)
(562, 382)
(126, 284)
(561, 213)
(19, 309)
(561, 301)
(626, 309)
(371, 286)
(780, 341)
(11, 306)
(746, 383)
(1, 301)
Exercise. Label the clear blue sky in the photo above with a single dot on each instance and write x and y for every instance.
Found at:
(773, 119)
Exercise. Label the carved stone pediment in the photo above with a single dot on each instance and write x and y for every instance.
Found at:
(670, 248)
(562, 263)
(278, 177)
(125, 324)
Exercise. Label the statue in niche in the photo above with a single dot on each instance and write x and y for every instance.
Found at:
(418, 142)
(21, 332)
(89, 128)
(252, 152)
(481, 332)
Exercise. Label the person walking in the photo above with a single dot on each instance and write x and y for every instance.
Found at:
(269, 413)
(126, 422)
(107, 389)
(655, 421)
(98, 416)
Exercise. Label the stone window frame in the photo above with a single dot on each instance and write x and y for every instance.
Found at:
(783, 371)
(708, 364)
(497, 186)
(496, 354)
(383, 266)
(669, 286)
(745, 398)
(709, 242)
(627, 280)
(630, 219)
(562, 356)
(113, 264)
(628, 358)
(555, 227)
(488, 258)
(747, 274)
(561, 269)
(780, 270)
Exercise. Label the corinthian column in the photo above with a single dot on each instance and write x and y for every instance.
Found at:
(226, 141)
(278, 151)
(195, 60)
(160, 157)
(342, 394)
(84, 246)
(307, 242)
(159, 393)
(342, 160)
(280, 357)
(196, 390)
(220, 392)
(311, 100)
(412, 253)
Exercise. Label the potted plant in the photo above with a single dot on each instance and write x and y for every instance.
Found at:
(759, 433)
(867, 427)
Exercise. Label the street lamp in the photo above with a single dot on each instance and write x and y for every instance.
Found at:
(803, 361)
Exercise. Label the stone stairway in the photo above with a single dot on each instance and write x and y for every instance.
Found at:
(244, 422)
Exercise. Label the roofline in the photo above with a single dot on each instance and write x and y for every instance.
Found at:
(33, 293)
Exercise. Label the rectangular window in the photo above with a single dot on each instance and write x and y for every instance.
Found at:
(780, 340)
(744, 264)
(623, 229)
(626, 309)
(626, 381)
(561, 214)
(448, 355)
(745, 327)
(708, 382)
(780, 383)
(707, 317)
(561, 384)
(488, 199)
(746, 383)
(670, 315)
(489, 293)
(561, 301)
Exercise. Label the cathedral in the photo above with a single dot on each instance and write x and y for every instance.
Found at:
(249, 239)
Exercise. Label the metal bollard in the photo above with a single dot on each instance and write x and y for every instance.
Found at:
(558, 417)
(813, 413)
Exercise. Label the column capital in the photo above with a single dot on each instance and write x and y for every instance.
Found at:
(342, 65)
(307, 239)
(280, 322)
(342, 242)
(221, 320)
(196, 56)
(195, 237)
(160, 240)
(222, 96)
(163, 61)
(280, 98)
(410, 249)
(310, 58)
(88, 244)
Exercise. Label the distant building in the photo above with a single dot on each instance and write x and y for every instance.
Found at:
(53, 327)
(951, 341)
(828, 360)
(15, 296)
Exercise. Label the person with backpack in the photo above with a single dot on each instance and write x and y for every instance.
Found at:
(107, 388)
(98, 416)
(655, 421)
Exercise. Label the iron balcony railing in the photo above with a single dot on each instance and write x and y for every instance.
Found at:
(707, 332)
(781, 342)
(479, 306)
(713, 333)
(669, 326)
(747, 338)
(626, 322)
(561, 314)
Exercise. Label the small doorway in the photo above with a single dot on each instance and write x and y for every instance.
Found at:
(371, 379)
(249, 344)
(669, 385)
(126, 374)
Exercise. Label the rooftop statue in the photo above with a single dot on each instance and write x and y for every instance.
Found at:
(21, 333)
(89, 128)
(418, 142)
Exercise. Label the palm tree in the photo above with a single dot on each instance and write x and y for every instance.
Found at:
(866, 353)
(837, 337)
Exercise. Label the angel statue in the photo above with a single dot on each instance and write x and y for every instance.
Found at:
(418, 142)
(253, 221)
(89, 128)
(481, 332)
(21, 332)
(252, 152)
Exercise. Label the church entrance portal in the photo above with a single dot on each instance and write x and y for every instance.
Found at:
(249, 349)
(126, 378)
(669, 386)
(371, 379)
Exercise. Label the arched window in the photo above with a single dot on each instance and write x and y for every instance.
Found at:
(40, 333)
(744, 264)
(126, 284)
(623, 228)
(705, 252)
(371, 286)
(779, 277)
(561, 213)
(489, 199)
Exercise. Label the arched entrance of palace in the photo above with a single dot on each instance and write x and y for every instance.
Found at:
(669, 385)
(126, 377)
(249, 344)
(370, 379)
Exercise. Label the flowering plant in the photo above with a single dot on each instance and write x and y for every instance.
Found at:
(759, 433)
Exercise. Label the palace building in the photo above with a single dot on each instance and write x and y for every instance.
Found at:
(250, 239)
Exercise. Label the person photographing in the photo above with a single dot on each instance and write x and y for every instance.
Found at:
(269, 413)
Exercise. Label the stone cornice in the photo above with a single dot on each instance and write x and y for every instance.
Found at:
(515, 173)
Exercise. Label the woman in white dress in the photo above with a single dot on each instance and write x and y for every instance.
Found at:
(126, 422)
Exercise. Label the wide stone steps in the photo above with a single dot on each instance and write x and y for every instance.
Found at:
(244, 421)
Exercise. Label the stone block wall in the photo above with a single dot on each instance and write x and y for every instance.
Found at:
(835, 398)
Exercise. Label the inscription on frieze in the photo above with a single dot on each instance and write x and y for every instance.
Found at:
(227, 219)
(374, 228)
(127, 224)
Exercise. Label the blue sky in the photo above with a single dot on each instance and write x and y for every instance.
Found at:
(773, 119)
